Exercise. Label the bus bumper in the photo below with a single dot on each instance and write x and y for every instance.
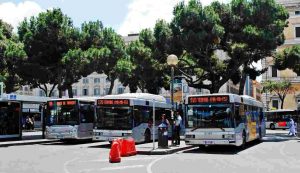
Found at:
(210, 142)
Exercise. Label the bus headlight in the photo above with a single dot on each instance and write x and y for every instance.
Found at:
(189, 136)
(229, 136)
(126, 134)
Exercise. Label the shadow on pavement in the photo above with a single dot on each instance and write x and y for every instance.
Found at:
(226, 150)
(101, 146)
(70, 142)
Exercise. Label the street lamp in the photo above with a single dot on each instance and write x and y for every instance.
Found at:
(172, 61)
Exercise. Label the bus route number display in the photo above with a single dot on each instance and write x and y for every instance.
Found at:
(113, 102)
(208, 99)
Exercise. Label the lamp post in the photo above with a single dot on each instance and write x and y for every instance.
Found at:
(172, 61)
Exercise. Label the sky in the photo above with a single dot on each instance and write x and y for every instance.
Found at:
(124, 16)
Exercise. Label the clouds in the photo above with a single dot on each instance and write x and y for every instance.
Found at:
(15, 13)
(144, 13)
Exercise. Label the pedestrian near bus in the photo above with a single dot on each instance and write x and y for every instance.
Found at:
(177, 128)
(292, 127)
(164, 120)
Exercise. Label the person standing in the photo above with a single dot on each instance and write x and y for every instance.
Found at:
(177, 128)
(292, 127)
(164, 120)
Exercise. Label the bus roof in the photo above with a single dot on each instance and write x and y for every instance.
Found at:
(281, 110)
(77, 98)
(140, 96)
(234, 98)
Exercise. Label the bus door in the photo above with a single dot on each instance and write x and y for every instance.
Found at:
(86, 116)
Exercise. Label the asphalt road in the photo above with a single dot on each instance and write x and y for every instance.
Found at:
(278, 153)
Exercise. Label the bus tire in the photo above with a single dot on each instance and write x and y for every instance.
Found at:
(272, 126)
(147, 136)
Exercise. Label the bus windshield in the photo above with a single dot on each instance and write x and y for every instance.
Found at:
(210, 116)
(114, 118)
(62, 115)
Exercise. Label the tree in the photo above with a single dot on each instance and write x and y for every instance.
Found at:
(47, 38)
(12, 55)
(280, 88)
(213, 42)
(110, 50)
(146, 58)
(76, 64)
(288, 58)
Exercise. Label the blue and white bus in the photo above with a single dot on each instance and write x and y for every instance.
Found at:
(71, 118)
(223, 119)
(129, 115)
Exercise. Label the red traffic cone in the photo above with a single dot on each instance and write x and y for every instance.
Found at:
(124, 148)
(114, 154)
(132, 149)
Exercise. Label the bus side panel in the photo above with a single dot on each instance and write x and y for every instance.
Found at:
(85, 130)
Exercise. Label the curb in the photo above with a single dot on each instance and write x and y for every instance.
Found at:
(18, 143)
(164, 152)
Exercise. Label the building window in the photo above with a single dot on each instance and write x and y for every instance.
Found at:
(96, 80)
(275, 104)
(85, 80)
(107, 80)
(42, 93)
(297, 12)
(186, 89)
(26, 88)
(120, 90)
(297, 31)
(274, 71)
(106, 90)
(96, 91)
(74, 92)
(85, 92)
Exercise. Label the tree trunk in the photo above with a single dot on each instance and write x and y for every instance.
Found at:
(214, 89)
(112, 83)
(50, 93)
(282, 101)
(70, 91)
(242, 83)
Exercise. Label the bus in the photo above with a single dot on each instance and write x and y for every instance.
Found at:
(223, 119)
(279, 119)
(10, 120)
(129, 115)
(68, 119)
(298, 120)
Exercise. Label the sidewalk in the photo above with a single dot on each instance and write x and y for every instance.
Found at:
(147, 149)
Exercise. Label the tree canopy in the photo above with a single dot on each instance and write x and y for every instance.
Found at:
(218, 39)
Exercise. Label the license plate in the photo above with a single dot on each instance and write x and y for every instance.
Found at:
(208, 142)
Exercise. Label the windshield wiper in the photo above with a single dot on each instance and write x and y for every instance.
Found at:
(195, 129)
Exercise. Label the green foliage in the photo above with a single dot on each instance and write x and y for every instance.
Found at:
(220, 38)
(289, 58)
(47, 38)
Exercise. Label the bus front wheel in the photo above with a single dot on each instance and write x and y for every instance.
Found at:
(272, 127)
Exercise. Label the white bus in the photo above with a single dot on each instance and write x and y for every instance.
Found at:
(129, 115)
(279, 119)
(223, 119)
(70, 118)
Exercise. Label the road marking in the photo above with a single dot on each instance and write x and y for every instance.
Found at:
(68, 162)
(121, 167)
(123, 159)
(154, 161)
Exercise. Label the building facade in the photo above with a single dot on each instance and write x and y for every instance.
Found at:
(292, 36)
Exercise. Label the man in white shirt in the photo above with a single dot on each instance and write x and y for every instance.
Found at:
(177, 128)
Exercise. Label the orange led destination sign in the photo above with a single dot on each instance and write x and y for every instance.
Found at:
(60, 103)
(113, 102)
(208, 99)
